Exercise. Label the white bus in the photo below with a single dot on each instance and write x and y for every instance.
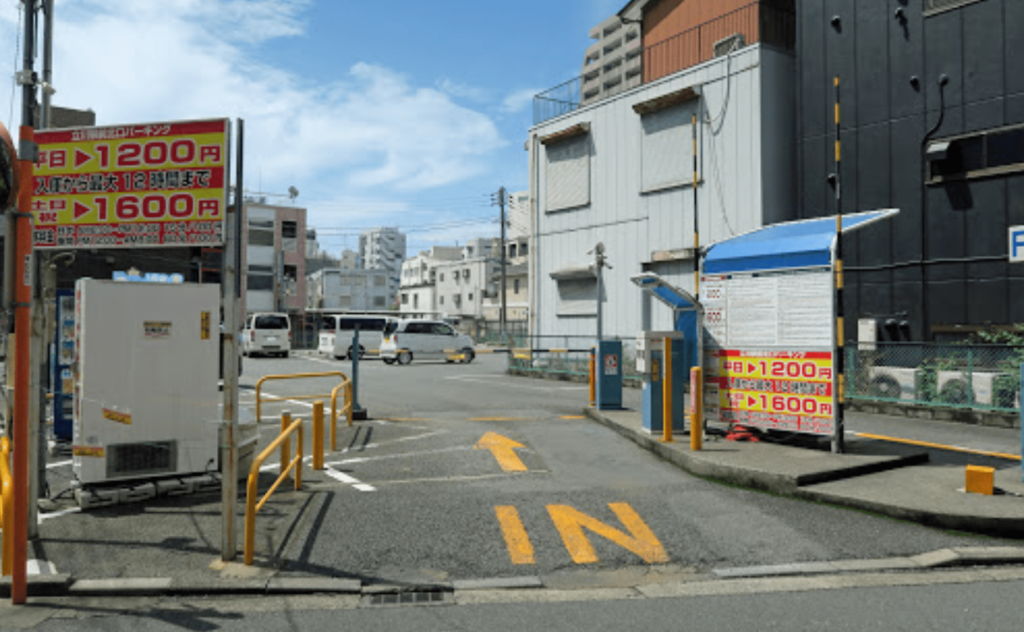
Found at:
(338, 330)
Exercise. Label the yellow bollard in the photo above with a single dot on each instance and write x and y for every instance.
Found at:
(980, 480)
(318, 435)
(6, 509)
(666, 394)
(697, 408)
(593, 379)
(286, 445)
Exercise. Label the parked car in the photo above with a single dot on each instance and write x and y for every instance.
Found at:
(337, 332)
(424, 339)
(267, 333)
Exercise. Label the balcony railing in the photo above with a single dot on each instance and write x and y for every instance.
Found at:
(757, 23)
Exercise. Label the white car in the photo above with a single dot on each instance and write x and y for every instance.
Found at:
(267, 334)
(424, 339)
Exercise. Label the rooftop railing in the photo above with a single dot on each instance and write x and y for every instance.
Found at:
(757, 22)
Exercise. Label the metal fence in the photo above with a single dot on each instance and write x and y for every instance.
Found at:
(566, 356)
(984, 377)
(755, 22)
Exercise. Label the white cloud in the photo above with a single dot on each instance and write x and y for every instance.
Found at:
(519, 100)
(135, 61)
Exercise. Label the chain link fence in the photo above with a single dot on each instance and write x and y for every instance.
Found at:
(983, 377)
(567, 357)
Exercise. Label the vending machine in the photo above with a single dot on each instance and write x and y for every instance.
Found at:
(146, 390)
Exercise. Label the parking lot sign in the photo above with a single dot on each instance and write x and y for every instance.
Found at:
(1016, 244)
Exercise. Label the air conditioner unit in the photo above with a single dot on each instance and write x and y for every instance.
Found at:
(146, 390)
(893, 383)
(729, 44)
(984, 388)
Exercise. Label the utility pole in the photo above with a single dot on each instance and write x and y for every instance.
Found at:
(23, 283)
(502, 195)
(600, 262)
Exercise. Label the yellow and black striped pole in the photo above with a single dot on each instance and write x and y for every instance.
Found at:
(696, 224)
(837, 437)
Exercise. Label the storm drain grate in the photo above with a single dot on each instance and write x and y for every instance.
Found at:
(411, 598)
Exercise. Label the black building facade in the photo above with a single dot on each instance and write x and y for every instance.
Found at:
(932, 123)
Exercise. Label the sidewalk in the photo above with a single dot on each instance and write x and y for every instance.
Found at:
(892, 479)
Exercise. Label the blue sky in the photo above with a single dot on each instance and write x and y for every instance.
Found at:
(390, 113)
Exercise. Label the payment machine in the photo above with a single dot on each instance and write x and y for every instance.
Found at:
(650, 363)
(609, 374)
(687, 351)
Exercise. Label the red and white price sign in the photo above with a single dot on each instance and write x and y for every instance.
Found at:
(611, 364)
(780, 390)
(158, 184)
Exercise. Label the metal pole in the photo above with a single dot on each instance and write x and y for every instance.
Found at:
(666, 393)
(27, 153)
(358, 412)
(48, 90)
(230, 286)
(696, 224)
(504, 303)
(838, 355)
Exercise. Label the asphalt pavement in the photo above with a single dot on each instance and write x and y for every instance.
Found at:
(906, 476)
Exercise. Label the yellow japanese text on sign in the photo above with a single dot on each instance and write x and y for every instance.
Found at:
(131, 185)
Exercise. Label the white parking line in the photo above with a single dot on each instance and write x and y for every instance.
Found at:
(59, 464)
(404, 455)
(489, 379)
(350, 480)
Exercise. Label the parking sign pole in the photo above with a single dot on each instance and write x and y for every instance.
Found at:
(230, 287)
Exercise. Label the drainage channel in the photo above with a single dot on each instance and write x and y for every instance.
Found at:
(409, 598)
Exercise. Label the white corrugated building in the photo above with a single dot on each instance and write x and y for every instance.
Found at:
(620, 171)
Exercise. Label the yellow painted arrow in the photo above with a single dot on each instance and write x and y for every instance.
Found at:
(503, 450)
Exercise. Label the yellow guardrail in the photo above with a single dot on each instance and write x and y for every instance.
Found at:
(345, 386)
(296, 376)
(252, 506)
(6, 508)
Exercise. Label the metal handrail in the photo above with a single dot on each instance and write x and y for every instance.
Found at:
(6, 507)
(294, 376)
(347, 409)
(252, 507)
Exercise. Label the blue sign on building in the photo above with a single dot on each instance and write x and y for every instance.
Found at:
(1017, 244)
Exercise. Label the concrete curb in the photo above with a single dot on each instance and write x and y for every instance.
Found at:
(803, 486)
(942, 558)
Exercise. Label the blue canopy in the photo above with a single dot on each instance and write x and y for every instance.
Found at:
(801, 244)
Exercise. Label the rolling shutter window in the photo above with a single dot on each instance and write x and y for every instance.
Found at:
(667, 159)
(577, 297)
(568, 173)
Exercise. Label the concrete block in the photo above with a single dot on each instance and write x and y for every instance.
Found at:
(980, 480)
(93, 498)
(136, 493)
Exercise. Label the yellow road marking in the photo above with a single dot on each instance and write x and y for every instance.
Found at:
(572, 417)
(640, 540)
(952, 448)
(516, 539)
(503, 450)
(497, 419)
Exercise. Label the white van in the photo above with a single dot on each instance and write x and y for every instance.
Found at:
(267, 333)
(424, 339)
(338, 330)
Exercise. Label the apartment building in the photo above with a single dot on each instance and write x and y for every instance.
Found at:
(383, 249)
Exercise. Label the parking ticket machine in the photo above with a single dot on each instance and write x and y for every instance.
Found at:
(650, 363)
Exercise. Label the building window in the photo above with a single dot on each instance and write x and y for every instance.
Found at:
(567, 175)
(465, 274)
(470, 297)
(577, 297)
(415, 301)
(989, 153)
(405, 299)
(515, 285)
(261, 237)
(666, 159)
(931, 7)
(259, 282)
(440, 300)
(442, 277)
(289, 236)
(378, 301)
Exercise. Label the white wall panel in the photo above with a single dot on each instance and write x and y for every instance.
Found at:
(731, 198)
